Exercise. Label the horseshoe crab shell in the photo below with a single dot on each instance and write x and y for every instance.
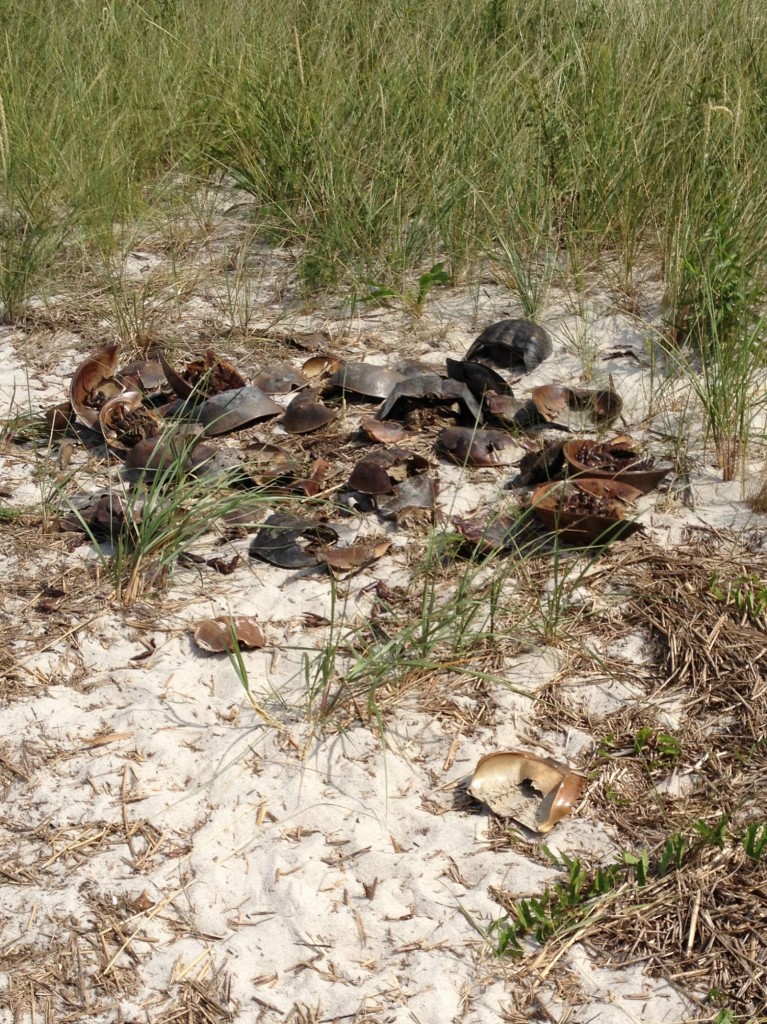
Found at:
(470, 447)
(291, 543)
(305, 414)
(477, 377)
(93, 384)
(426, 389)
(587, 510)
(365, 379)
(279, 379)
(235, 410)
(614, 460)
(512, 344)
(125, 421)
(207, 376)
(222, 633)
(499, 777)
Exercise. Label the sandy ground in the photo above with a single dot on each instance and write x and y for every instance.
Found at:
(166, 855)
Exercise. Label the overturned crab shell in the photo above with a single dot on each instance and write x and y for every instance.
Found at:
(365, 379)
(512, 344)
(235, 410)
(618, 460)
(227, 633)
(93, 384)
(470, 447)
(428, 388)
(125, 421)
(498, 782)
(586, 510)
(305, 413)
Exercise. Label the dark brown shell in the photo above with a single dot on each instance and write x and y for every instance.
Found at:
(93, 384)
(291, 543)
(305, 413)
(469, 447)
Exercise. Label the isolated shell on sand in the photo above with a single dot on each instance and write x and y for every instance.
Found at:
(225, 633)
(512, 344)
(498, 782)
(93, 384)
(346, 559)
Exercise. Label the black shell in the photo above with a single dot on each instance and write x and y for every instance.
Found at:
(512, 344)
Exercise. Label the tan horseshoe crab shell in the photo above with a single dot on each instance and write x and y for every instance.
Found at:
(499, 777)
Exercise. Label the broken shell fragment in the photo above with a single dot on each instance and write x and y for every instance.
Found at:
(305, 413)
(206, 377)
(289, 542)
(355, 556)
(477, 377)
(540, 466)
(487, 537)
(145, 375)
(499, 778)
(365, 379)
(428, 389)
(470, 447)
(383, 433)
(227, 633)
(267, 463)
(512, 344)
(93, 384)
(235, 410)
(162, 453)
(125, 421)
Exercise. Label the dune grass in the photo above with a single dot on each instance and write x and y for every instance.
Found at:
(381, 137)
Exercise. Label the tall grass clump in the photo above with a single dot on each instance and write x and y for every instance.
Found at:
(382, 138)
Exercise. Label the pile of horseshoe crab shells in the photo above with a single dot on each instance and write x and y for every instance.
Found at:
(279, 434)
